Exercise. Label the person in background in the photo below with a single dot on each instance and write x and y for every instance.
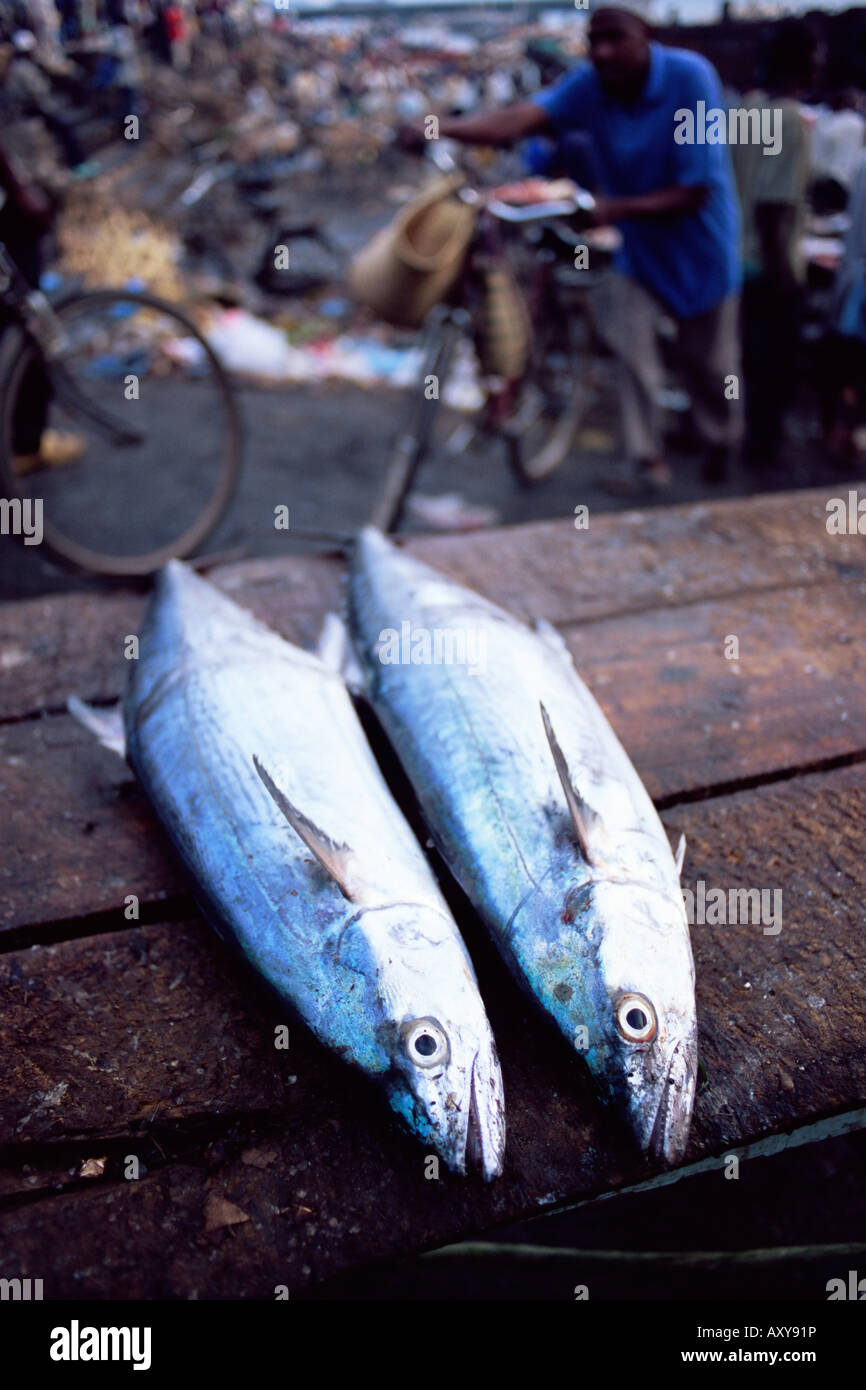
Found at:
(43, 19)
(837, 144)
(676, 210)
(176, 26)
(772, 191)
(26, 91)
(70, 20)
(122, 45)
(841, 359)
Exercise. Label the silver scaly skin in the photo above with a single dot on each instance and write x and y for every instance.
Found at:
(253, 756)
(547, 827)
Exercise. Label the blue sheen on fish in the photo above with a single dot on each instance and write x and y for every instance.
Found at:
(253, 756)
(543, 821)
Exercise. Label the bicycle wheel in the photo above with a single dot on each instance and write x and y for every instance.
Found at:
(127, 436)
(553, 396)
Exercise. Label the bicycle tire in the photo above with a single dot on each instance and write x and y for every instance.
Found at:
(534, 456)
(534, 465)
(17, 352)
(551, 403)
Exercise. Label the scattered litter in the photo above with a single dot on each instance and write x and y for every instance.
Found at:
(118, 247)
(333, 308)
(249, 345)
(114, 366)
(218, 1213)
(596, 441)
(93, 1167)
(671, 398)
(252, 347)
(449, 512)
(185, 352)
(258, 1158)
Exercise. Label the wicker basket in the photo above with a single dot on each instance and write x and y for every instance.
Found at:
(411, 264)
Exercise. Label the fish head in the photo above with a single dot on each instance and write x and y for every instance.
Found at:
(443, 1076)
(642, 1033)
(386, 579)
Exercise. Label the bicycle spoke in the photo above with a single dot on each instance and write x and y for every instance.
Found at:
(69, 396)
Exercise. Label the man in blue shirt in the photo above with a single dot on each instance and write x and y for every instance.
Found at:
(675, 206)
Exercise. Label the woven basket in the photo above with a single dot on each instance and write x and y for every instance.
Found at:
(411, 264)
(504, 334)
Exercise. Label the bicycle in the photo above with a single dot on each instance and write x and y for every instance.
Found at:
(536, 415)
(118, 366)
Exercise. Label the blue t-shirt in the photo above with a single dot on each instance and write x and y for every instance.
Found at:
(691, 261)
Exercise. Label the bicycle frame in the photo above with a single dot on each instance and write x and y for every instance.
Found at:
(33, 310)
(453, 317)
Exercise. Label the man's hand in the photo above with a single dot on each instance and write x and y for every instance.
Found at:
(411, 137)
(602, 214)
(666, 202)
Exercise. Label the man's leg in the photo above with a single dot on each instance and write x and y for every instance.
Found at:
(709, 351)
(771, 325)
(626, 318)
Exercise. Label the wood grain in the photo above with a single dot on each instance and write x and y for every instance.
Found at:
(631, 561)
(151, 1031)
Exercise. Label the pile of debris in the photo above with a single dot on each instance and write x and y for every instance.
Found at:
(115, 247)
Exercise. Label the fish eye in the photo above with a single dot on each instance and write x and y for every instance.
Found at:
(425, 1042)
(636, 1018)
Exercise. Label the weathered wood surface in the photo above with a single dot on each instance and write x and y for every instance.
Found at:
(152, 1040)
(118, 1043)
(628, 562)
(80, 837)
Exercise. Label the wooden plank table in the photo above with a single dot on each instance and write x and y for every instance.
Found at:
(146, 1040)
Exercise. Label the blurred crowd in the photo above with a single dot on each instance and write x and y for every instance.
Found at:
(757, 261)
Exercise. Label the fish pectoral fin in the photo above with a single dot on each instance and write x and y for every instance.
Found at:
(104, 724)
(583, 817)
(334, 859)
(680, 856)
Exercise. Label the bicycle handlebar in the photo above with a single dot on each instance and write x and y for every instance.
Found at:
(531, 212)
(439, 153)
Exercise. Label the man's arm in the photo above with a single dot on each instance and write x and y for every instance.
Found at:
(663, 202)
(501, 128)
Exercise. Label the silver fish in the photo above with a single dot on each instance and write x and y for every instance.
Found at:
(253, 756)
(543, 821)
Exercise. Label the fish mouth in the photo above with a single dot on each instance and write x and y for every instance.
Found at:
(669, 1135)
(484, 1150)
